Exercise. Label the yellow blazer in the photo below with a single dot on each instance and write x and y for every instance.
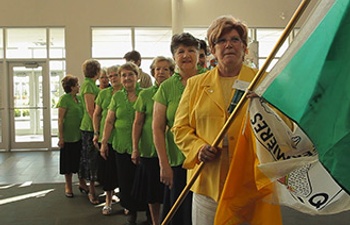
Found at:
(199, 118)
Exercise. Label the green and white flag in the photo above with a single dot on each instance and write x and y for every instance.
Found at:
(311, 85)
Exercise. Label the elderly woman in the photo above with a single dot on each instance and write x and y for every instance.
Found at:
(70, 113)
(184, 48)
(203, 111)
(103, 79)
(107, 167)
(120, 117)
(149, 186)
(89, 154)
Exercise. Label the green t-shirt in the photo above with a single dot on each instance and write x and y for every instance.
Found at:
(169, 94)
(144, 104)
(103, 100)
(72, 117)
(88, 87)
(124, 118)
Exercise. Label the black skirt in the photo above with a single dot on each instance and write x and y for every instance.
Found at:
(107, 171)
(147, 185)
(70, 157)
(126, 176)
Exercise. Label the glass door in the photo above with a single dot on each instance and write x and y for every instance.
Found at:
(29, 106)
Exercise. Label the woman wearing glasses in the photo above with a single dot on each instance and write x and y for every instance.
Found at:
(204, 108)
(107, 173)
(120, 118)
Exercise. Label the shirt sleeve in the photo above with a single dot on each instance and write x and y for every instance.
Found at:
(160, 96)
(139, 105)
(184, 128)
(62, 102)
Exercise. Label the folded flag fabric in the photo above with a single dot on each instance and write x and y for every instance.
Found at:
(242, 200)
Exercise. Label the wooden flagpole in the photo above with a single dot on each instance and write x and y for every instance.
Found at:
(295, 18)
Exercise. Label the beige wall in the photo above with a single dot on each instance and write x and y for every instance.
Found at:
(77, 16)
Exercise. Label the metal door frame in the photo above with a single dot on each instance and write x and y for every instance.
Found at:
(39, 145)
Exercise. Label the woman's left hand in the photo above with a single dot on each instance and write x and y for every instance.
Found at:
(252, 95)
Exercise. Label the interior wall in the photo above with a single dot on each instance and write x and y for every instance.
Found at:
(77, 16)
(255, 13)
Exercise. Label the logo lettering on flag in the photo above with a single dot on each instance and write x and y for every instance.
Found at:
(287, 156)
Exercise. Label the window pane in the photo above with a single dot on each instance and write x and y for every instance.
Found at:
(57, 43)
(26, 43)
(267, 39)
(152, 42)
(57, 72)
(1, 44)
(110, 62)
(110, 42)
(200, 33)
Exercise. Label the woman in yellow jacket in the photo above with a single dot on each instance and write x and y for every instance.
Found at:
(203, 110)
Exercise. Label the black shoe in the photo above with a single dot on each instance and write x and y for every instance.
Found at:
(149, 218)
(131, 218)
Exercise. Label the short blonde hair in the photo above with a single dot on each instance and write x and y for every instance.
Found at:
(224, 24)
(112, 69)
(91, 68)
(129, 66)
(161, 59)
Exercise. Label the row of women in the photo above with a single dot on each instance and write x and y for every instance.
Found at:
(151, 140)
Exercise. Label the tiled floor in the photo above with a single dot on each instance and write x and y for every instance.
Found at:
(42, 167)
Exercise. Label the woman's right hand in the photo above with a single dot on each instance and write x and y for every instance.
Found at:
(135, 157)
(104, 151)
(60, 143)
(207, 153)
(166, 175)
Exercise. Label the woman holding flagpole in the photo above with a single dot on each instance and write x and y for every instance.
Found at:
(203, 110)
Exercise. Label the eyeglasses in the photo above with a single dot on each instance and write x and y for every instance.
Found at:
(224, 41)
(112, 75)
(128, 74)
